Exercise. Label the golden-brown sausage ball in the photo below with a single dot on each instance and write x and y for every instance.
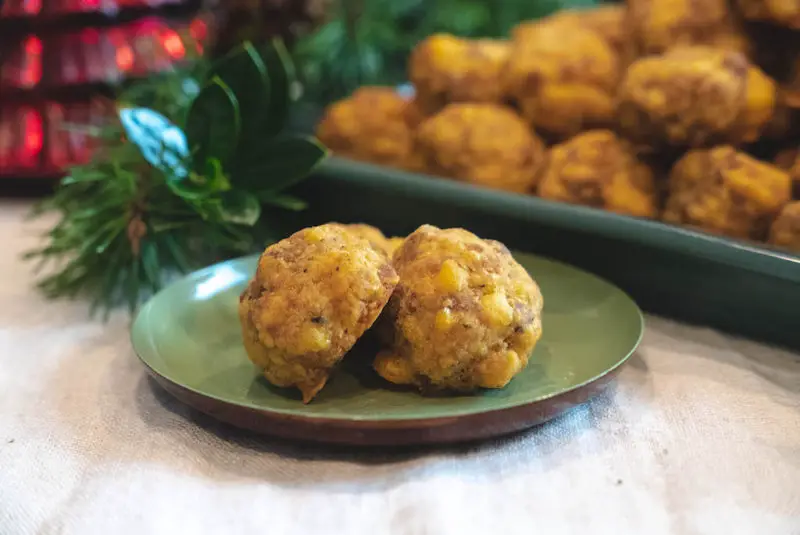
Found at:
(726, 192)
(484, 144)
(375, 124)
(608, 21)
(784, 121)
(597, 168)
(789, 161)
(781, 12)
(373, 235)
(785, 158)
(779, 56)
(785, 230)
(562, 77)
(465, 314)
(444, 68)
(394, 244)
(313, 295)
(695, 96)
(791, 87)
(791, 75)
(658, 25)
(376, 238)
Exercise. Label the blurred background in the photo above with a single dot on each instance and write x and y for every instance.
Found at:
(63, 61)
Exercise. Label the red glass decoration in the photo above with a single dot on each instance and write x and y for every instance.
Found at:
(31, 139)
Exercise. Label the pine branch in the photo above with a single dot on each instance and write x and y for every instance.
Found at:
(158, 198)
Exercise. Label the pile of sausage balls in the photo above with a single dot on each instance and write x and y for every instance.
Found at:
(687, 112)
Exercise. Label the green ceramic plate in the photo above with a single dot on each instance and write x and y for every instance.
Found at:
(188, 338)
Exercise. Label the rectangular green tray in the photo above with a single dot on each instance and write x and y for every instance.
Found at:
(740, 288)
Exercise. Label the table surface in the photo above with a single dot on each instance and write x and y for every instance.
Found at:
(699, 434)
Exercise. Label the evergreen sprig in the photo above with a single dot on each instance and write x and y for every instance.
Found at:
(178, 184)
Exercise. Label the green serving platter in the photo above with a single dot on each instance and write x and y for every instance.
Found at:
(189, 339)
(742, 288)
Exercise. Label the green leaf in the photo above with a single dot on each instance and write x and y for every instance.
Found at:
(215, 176)
(245, 73)
(160, 142)
(213, 123)
(78, 174)
(132, 292)
(284, 201)
(178, 255)
(114, 229)
(281, 75)
(239, 207)
(188, 190)
(108, 282)
(150, 263)
(281, 163)
(157, 228)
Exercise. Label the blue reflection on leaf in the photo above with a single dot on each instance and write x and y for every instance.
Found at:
(161, 143)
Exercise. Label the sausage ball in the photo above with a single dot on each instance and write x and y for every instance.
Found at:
(789, 161)
(599, 169)
(373, 235)
(726, 192)
(394, 244)
(785, 119)
(562, 89)
(313, 295)
(791, 86)
(376, 238)
(444, 68)
(608, 21)
(695, 96)
(779, 57)
(658, 25)
(780, 12)
(785, 230)
(376, 125)
(789, 92)
(785, 158)
(483, 144)
(465, 314)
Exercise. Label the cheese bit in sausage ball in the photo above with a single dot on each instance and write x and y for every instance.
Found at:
(444, 68)
(599, 169)
(313, 295)
(465, 314)
(784, 13)
(658, 25)
(562, 77)
(726, 192)
(374, 124)
(483, 144)
(695, 96)
(785, 230)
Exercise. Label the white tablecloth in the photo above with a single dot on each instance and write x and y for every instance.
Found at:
(699, 434)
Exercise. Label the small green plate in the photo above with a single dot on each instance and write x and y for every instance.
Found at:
(188, 337)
